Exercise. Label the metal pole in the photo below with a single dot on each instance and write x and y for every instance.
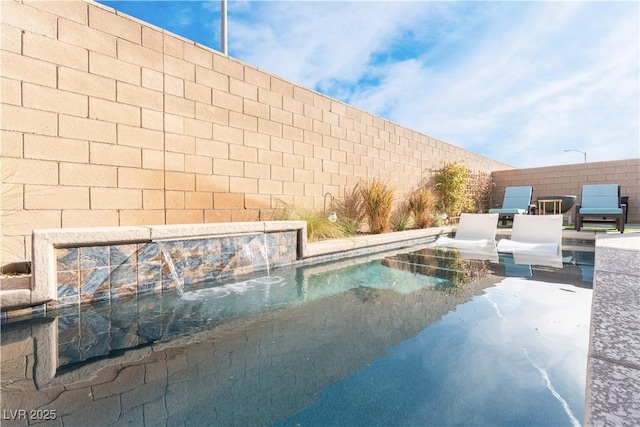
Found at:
(223, 26)
(584, 153)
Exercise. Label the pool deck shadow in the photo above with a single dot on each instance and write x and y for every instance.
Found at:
(612, 396)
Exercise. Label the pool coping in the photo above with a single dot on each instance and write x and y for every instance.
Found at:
(613, 367)
(324, 248)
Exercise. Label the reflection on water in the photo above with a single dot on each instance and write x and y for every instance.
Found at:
(420, 338)
(515, 355)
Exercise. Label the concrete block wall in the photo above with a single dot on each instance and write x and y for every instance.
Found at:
(110, 121)
(569, 179)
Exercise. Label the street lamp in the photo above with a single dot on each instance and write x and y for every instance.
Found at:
(223, 26)
(583, 153)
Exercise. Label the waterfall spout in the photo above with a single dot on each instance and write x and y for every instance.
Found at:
(265, 252)
(172, 269)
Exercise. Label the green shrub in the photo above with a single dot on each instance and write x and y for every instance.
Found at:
(451, 185)
(479, 188)
(377, 197)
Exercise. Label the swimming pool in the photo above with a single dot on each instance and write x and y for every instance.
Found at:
(419, 337)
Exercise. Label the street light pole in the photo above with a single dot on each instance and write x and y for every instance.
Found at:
(584, 153)
(223, 26)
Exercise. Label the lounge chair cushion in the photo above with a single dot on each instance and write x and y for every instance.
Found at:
(600, 211)
(600, 196)
(508, 211)
(517, 197)
(516, 201)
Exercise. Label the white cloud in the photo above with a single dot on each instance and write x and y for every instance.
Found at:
(515, 81)
(309, 42)
(518, 82)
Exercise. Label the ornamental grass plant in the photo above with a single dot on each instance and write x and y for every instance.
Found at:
(377, 197)
(350, 211)
(318, 227)
(401, 218)
(422, 203)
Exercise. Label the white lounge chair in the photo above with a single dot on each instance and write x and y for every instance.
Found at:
(473, 231)
(536, 235)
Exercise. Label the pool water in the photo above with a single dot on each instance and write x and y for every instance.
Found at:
(419, 337)
(493, 361)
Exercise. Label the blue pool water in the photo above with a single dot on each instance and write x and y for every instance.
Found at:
(493, 361)
(421, 337)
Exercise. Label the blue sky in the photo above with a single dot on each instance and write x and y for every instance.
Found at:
(518, 82)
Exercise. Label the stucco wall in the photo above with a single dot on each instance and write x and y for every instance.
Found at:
(569, 179)
(107, 120)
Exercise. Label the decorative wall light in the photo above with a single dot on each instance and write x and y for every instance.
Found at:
(333, 217)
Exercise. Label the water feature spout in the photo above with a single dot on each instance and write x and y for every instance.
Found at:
(172, 268)
(265, 252)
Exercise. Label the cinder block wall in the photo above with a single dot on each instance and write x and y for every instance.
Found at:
(107, 120)
(569, 179)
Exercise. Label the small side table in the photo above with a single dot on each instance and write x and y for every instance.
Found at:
(557, 206)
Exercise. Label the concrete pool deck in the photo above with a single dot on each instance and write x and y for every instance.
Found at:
(612, 396)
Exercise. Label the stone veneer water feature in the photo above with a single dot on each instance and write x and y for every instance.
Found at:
(94, 273)
(85, 265)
